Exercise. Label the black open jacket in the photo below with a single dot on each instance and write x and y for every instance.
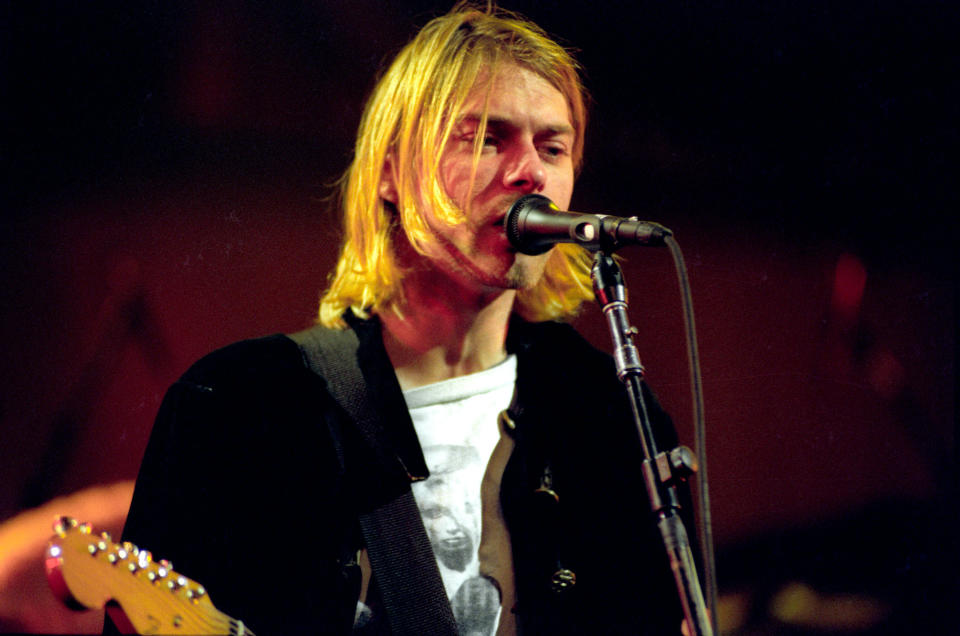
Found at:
(253, 478)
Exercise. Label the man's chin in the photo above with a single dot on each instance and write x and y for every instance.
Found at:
(526, 272)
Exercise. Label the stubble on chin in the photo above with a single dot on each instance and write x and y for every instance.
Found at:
(526, 272)
(510, 271)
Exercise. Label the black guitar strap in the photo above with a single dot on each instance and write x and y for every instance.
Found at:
(401, 556)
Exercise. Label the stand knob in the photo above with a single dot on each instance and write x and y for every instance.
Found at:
(677, 465)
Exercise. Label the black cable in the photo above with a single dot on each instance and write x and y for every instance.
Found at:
(705, 525)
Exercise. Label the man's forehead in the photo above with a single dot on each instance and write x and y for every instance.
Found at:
(513, 96)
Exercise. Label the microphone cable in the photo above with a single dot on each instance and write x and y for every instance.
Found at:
(705, 525)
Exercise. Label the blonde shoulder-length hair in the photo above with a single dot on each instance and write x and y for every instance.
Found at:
(408, 117)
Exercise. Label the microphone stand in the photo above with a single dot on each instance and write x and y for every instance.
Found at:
(662, 470)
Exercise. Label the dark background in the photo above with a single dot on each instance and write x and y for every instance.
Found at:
(167, 171)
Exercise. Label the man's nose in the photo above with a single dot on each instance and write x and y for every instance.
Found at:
(525, 171)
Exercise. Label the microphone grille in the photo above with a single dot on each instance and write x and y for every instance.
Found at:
(512, 222)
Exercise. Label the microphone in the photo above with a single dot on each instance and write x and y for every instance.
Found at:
(535, 223)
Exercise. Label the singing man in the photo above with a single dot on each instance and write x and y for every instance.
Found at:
(440, 453)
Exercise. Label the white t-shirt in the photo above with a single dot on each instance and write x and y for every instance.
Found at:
(456, 423)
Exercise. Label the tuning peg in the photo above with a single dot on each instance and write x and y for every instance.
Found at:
(142, 560)
(161, 572)
(177, 583)
(62, 524)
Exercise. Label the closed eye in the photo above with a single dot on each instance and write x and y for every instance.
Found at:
(554, 150)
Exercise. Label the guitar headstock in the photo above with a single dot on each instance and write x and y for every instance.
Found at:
(87, 570)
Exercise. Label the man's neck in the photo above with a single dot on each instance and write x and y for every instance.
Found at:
(441, 335)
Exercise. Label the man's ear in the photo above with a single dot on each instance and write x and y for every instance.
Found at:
(388, 185)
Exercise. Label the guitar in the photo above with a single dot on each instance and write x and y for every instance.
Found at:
(89, 571)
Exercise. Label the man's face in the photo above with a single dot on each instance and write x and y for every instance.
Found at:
(527, 148)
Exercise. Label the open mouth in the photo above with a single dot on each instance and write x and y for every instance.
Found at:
(455, 543)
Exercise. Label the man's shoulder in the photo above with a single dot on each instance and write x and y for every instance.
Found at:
(253, 360)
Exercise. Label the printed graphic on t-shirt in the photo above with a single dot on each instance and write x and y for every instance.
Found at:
(456, 424)
(450, 505)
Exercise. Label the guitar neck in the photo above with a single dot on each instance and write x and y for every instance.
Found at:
(88, 570)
